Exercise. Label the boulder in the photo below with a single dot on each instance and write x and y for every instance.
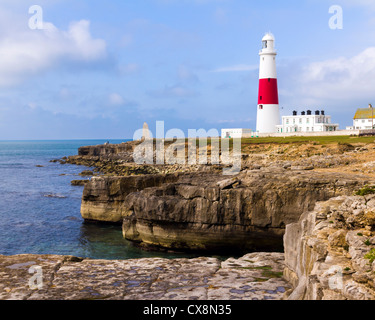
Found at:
(79, 182)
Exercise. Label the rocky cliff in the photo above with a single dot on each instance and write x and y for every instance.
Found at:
(297, 198)
(110, 151)
(245, 213)
(209, 211)
(104, 197)
(330, 251)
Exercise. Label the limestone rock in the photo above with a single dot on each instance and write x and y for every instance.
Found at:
(213, 212)
(337, 239)
(333, 266)
(256, 276)
(79, 182)
(103, 197)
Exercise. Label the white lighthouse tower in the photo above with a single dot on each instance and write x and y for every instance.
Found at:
(268, 114)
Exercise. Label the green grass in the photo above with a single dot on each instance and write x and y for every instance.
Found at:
(365, 191)
(323, 140)
(367, 243)
(371, 255)
(318, 140)
(267, 272)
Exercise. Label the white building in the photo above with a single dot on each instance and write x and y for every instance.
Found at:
(235, 133)
(364, 119)
(307, 122)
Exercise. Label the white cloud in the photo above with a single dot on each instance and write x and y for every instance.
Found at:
(129, 68)
(174, 91)
(25, 52)
(343, 77)
(126, 40)
(238, 67)
(345, 82)
(116, 99)
(186, 75)
(64, 93)
(363, 3)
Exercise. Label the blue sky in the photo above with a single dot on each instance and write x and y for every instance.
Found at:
(100, 69)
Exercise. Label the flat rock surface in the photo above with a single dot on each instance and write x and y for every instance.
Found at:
(255, 276)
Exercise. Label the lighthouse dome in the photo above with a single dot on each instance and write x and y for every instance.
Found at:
(268, 37)
(268, 42)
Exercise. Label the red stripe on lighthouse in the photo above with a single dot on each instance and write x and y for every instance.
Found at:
(268, 93)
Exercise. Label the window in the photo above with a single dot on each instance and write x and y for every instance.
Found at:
(307, 120)
(260, 107)
(287, 121)
(300, 120)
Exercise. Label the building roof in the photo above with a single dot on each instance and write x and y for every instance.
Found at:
(366, 113)
(269, 37)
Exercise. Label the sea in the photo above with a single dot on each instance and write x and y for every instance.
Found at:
(40, 209)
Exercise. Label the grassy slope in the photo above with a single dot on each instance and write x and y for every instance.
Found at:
(317, 140)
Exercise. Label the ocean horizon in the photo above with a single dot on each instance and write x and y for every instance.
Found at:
(40, 209)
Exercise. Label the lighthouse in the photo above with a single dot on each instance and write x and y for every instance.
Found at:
(268, 114)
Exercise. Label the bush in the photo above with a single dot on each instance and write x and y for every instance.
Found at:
(370, 255)
(365, 191)
(367, 243)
